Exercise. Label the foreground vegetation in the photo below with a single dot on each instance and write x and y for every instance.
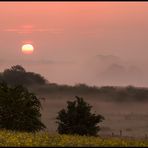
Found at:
(10, 138)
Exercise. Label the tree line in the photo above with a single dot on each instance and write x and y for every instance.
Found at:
(17, 75)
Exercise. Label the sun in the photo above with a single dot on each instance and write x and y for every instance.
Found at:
(27, 49)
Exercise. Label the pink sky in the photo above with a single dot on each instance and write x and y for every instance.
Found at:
(97, 43)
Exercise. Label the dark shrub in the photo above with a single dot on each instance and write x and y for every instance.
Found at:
(19, 109)
(78, 119)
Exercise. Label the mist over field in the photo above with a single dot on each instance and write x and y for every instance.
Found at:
(94, 50)
(129, 116)
(124, 108)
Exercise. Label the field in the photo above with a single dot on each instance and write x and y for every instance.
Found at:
(9, 138)
(131, 118)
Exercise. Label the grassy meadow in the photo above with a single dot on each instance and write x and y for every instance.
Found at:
(10, 138)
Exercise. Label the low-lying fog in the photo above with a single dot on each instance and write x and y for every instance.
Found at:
(130, 117)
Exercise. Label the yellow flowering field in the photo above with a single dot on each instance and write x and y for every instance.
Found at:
(9, 138)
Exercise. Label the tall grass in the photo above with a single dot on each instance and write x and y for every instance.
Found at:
(9, 138)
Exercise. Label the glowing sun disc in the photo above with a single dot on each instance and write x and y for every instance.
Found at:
(27, 49)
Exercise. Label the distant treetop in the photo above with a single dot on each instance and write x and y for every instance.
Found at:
(17, 75)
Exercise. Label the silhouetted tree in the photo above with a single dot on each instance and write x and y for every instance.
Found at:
(18, 68)
(17, 75)
(78, 119)
(19, 109)
(34, 78)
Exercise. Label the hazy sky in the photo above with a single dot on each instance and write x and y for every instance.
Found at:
(97, 43)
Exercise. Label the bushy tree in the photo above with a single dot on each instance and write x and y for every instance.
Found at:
(17, 75)
(19, 109)
(78, 119)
